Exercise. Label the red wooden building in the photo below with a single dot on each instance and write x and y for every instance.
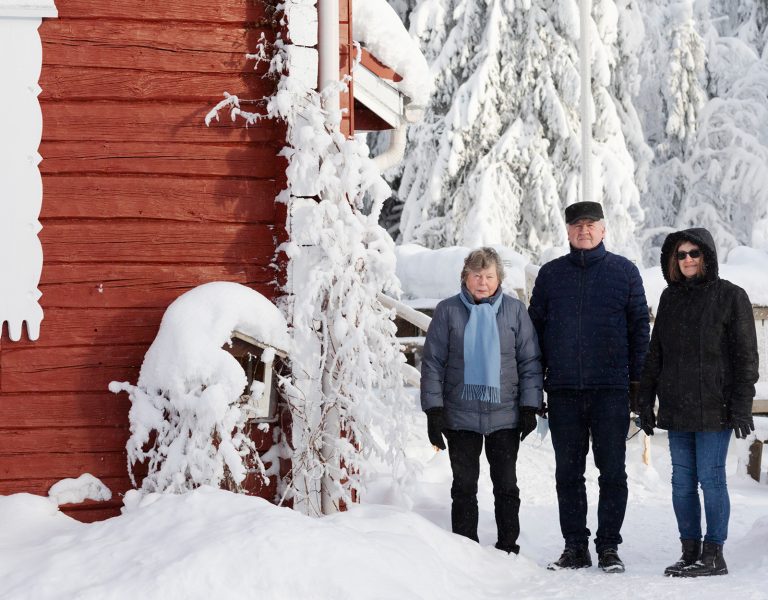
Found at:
(141, 202)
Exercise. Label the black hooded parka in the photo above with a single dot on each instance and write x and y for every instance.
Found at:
(703, 359)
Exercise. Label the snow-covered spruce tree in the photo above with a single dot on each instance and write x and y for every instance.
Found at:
(671, 96)
(498, 155)
(345, 394)
(727, 187)
(704, 107)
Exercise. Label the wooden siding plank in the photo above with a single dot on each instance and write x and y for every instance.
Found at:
(86, 439)
(221, 11)
(169, 198)
(131, 286)
(76, 369)
(92, 515)
(68, 83)
(151, 122)
(83, 409)
(167, 158)
(60, 465)
(156, 242)
(66, 327)
(154, 46)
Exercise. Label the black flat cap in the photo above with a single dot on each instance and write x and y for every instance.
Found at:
(583, 210)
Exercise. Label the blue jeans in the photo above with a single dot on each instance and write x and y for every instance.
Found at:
(573, 416)
(699, 458)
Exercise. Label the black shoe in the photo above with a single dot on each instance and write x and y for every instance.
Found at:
(710, 563)
(691, 553)
(573, 557)
(608, 560)
(508, 548)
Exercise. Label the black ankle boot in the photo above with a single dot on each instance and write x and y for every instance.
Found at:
(711, 562)
(573, 557)
(691, 553)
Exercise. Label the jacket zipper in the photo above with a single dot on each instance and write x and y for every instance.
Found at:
(581, 303)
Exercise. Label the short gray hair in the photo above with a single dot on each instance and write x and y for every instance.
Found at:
(482, 258)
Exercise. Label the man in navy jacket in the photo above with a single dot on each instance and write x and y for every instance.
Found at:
(591, 317)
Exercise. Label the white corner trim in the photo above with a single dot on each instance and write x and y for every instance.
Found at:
(302, 22)
(28, 9)
(21, 187)
(302, 64)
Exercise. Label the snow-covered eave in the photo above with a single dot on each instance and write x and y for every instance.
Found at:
(30, 9)
(377, 26)
(376, 86)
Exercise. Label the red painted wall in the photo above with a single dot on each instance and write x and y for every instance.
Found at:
(141, 202)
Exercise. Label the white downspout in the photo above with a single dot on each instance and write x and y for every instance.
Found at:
(328, 48)
(396, 150)
(328, 77)
(586, 101)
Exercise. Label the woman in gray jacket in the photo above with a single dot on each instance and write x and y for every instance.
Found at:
(481, 381)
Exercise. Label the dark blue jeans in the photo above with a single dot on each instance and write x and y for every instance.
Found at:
(501, 451)
(574, 415)
(699, 458)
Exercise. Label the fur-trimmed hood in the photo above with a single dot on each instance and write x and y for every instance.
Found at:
(703, 239)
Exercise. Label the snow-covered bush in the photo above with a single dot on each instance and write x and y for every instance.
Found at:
(187, 419)
(345, 393)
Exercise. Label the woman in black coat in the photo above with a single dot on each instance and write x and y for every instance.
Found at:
(702, 365)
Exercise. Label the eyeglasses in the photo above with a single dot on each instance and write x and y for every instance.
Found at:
(695, 253)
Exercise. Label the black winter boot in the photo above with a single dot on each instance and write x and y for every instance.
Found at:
(608, 560)
(711, 562)
(691, 553)
(573, 557)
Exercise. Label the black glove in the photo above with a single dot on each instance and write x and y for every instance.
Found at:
(742, 427)
(647, 420)
(634, 396)
(435, 427)
(527, 421)
(542, 412)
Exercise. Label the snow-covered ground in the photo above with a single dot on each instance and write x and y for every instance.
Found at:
(396, 544)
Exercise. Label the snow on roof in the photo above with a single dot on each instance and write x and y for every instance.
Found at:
(377, 25)
(436, 274)
(198, 324)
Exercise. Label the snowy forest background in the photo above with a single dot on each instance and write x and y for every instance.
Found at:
(680, 132)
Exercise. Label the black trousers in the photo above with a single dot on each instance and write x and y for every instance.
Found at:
(501, 451)
(574, 417)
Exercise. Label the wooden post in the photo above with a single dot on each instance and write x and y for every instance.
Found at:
(755, 460)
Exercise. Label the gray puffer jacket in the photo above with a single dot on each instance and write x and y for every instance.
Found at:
(442, 368)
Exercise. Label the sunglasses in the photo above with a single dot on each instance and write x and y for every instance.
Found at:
(695, 253)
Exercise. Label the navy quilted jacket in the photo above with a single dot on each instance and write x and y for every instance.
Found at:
(591, 316)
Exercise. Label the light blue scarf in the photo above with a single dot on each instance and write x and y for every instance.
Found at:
(482, 350)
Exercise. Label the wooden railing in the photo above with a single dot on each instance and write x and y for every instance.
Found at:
(410, 373)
